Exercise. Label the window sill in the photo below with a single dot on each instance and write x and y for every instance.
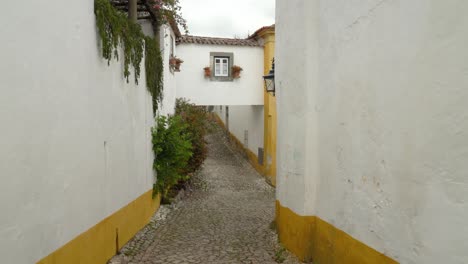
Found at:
(221, 79)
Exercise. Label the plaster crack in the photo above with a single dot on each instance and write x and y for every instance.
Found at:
(366, 16)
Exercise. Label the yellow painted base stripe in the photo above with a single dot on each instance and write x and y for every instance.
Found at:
(252, 158)
(98, 244)
(312, 239)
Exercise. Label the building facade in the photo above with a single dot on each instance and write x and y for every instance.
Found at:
(207, 78)
(76, 157)
(372, 131)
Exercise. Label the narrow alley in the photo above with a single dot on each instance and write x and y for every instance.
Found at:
(224, 217)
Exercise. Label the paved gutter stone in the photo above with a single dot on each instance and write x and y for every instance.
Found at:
(223, 217)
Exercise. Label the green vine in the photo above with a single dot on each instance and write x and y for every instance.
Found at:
(115, 31)
(154, 71)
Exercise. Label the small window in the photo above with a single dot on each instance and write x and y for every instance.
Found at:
(221, 66)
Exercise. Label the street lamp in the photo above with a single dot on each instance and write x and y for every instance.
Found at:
(270, 79)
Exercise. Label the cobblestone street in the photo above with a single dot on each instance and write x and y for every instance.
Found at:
(224, 217)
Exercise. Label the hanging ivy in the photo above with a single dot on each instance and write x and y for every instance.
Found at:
(168, 9)
(154, 71)
(117, 31)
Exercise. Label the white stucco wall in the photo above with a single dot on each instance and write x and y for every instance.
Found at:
(191, 83)
(146, 27)
(245, 118)
(220, 110)
(75, 140)
(372, 132)
(168, 103)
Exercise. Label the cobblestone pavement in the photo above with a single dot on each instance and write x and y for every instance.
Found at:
(224, 217)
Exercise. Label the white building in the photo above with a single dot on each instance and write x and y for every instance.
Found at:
(76, 155)
(237, 100)
(372, 130)
(76, 158)
(220, 88)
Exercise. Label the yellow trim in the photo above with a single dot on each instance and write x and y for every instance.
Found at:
(98, 244)
(253, 159)
(269, 134)
(311, 238)
(266, 32)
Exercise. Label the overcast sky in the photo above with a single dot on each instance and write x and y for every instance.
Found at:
(227, 18)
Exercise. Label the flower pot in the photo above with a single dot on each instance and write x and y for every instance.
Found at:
(207, 72)
(177, 64)
(236, 70)
(172, 61)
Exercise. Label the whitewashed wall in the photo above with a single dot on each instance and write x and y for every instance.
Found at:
(168, 103)
(192, 84)
(146, 27)
(244, 118)
(75, 140)
(167, 106)
(373, 121)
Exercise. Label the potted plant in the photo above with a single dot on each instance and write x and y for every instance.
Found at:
(175, 63)
(207, 71)
(172, 61)
(236, 71)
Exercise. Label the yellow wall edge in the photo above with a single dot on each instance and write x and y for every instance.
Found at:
(98, 244)
(252, 158)
(269, 143)
(312, 239)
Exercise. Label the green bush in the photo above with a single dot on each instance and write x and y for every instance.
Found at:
(179, 147)
(194, 117)
(173, 149)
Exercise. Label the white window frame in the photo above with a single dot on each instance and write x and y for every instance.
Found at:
(221, 66)
(217, 75)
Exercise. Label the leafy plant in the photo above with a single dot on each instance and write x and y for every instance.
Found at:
(154, 71)
(117, 31)
(236, 71)
(179, 146)
(236, 68)
(175, 63)
(169, 9)
(173, 149)
(279, 255)
(195, 119)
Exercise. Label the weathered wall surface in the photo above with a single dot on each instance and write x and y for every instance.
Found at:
(244, 118)
(191, 83)
(168, 103)
(372, 122)
(75, 141)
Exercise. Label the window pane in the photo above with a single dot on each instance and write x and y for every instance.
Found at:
(221, 66)
(217, 69)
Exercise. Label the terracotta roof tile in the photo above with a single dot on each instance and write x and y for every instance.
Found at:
(255, 34)
(217, 41)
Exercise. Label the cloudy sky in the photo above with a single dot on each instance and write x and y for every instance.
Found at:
(227, 18)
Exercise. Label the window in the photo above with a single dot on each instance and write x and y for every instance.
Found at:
(221, 66)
